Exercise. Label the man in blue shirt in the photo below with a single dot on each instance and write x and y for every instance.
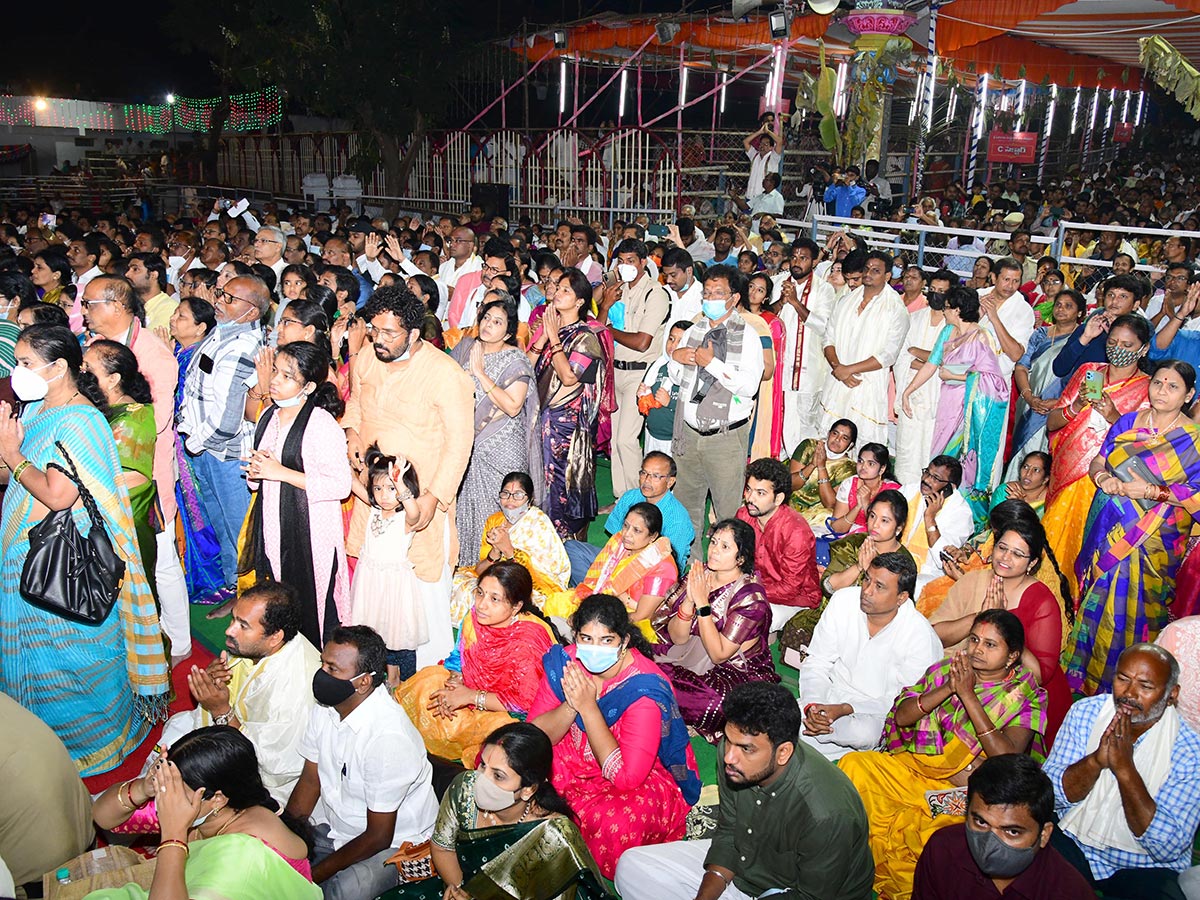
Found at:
(845, 193)
(1173, 341)
(1088, 342)
(655, 481)
(1126, 774)
(722, 242)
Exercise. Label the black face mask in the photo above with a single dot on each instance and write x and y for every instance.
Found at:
(936, 300)
(997, 859)
(331, 691)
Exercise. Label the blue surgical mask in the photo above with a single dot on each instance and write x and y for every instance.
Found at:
(597, 659)
(713, 309)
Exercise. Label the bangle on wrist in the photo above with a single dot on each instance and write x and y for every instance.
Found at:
(481, 700)
(983, 734)
(182, 845)
(20, 469)
(728, 881)
(923, 710)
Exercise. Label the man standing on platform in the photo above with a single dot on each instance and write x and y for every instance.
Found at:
(807, 302)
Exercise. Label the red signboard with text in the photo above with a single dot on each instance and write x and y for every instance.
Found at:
(1122, 132)
(1012, 147)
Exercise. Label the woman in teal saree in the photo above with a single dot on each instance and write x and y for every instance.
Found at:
(504, 833)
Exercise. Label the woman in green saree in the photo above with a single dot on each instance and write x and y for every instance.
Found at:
(131, 418)
(503, 831)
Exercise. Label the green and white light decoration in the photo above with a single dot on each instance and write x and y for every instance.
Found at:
(251, 111)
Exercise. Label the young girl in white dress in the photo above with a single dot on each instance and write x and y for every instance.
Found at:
(385, 586)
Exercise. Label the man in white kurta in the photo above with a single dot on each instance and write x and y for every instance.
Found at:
(1008, 317)
(863, 339)
(914, 435)
(807, 301)
(262, 686)
(868, 645)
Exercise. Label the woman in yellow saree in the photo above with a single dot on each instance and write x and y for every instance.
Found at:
(492, 675)
(818, 469)
(979, 702)
(636, 566)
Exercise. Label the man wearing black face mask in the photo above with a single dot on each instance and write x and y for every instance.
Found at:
(366, 780)
(1002, 849)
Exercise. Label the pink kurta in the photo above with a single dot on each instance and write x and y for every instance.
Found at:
(639, 802)
(327, 480)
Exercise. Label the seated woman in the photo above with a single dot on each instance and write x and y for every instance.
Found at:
(978, 702)
(518, 531)
(1010, 583)
(818, 469)
(504, 823)
(1033, 481)
(626, 766)
(242, 848)
(854, 496)
(849, 559)
(492, 674)
(636, 566)
(713, 631)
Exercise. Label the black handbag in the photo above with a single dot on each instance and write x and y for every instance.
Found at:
(66, 573)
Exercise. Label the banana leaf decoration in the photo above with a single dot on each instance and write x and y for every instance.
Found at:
(1172, 71)
(831, 138)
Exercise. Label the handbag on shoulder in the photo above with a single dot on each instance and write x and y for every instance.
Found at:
(66, 573)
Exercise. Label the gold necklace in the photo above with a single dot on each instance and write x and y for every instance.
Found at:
(237, 815)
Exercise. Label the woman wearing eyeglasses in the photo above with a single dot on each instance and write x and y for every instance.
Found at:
(506, 411)
(1011, 582)
(518, 531)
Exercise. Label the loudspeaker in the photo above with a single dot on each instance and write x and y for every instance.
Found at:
(492, 197)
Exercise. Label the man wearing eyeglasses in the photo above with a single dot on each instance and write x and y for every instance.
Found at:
(939, 517)
(111, 305)
(470, 286)
(656, 478)
(212, 417)
(269, 245)
(462, 264)
(412, 400)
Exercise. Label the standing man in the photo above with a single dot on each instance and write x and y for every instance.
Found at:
(879, 188)
(845, 192)
(414, 401)
(679, 271)
(639, 340)
(807, 302)
(269, 246)
(764, 148)
(462, 261)
(366, 779)
(148, 275)
(111, 309)
(212, 417)
(790, 823)
(864, 337)
(719, 366)
(785, 558)
(83, 255)
(769, 201)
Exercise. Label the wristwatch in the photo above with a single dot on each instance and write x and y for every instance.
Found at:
(705, 610)
(223, 719)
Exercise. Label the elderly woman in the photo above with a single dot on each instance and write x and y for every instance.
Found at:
(636, 566)
(978, 702)
(506, 413)
(519, 531)
(622, 759)
(714, 628)
(99, 687)
(492, 674)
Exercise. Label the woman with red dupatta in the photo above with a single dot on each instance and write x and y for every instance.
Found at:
(493, 674)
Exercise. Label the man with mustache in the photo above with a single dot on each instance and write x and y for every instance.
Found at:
(415, 402)
(1126, 775)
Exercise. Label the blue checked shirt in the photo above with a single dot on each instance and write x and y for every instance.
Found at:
(677, 524)
(1168, 840)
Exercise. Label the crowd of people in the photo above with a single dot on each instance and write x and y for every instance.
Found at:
(963, 510)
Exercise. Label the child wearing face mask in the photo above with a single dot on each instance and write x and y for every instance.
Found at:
(385, 588)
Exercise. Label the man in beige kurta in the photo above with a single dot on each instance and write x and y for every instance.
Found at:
(413, 401)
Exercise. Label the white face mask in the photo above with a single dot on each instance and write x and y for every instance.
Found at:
(628, 273)
(29, 387)
(289, 402)
(489, 796)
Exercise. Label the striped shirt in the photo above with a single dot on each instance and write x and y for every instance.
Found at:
(212, 415)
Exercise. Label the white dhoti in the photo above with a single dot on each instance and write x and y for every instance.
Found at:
(666, 872)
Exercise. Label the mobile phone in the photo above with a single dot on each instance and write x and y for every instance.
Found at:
(947, 557)
(48, 220)
(1093, 386)
(224, 203)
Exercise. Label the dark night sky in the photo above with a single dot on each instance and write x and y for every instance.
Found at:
(86, 50)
